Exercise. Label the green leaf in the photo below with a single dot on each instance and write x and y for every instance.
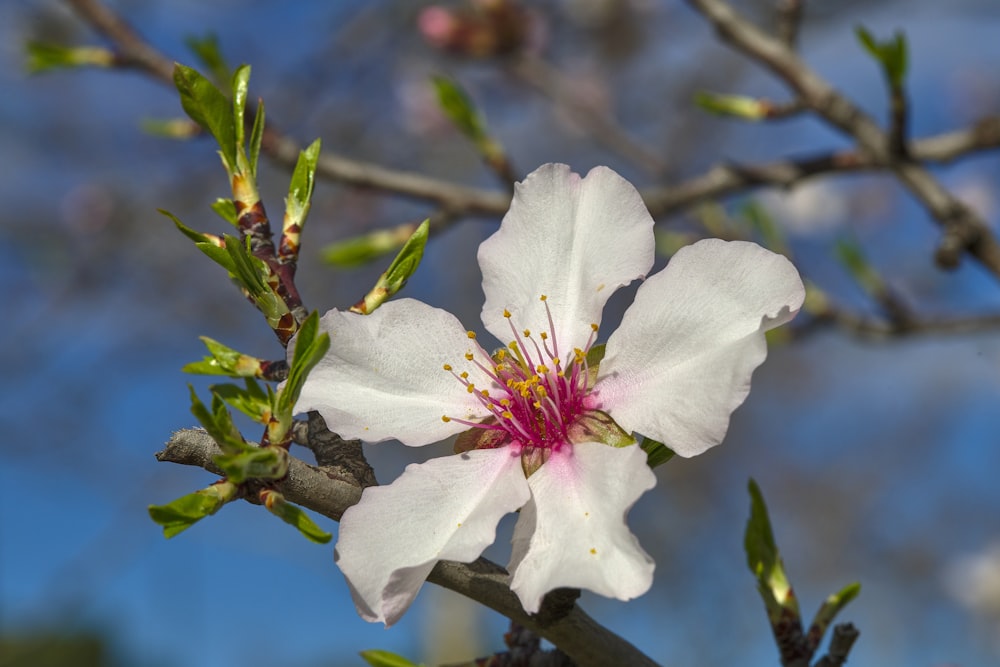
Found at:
(218, 423)
(251, 273)
(761, 222)
(829, 610)
(363, 249)
(197, 237)
(739, 106)
(241, 87)
(252, 401)
(300, 189)
(254, 463)
(394, 279)
(43, 57)
(181, 514)
(458, 107)
(656, 452)
(170, 128)
(292, 515)
(226, 209)
(851, 255)
(224, 360)
(310, 346)
(257, 136)
(765, 562)
(208, 107)
(892, 54)
(379, 658)
(206, 50)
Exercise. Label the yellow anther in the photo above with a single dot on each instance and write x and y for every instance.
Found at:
(505, 402)
(472, 334)
(560, 374)
(545, 336)
(501, 355)
(537, 405)
(464, 375)
(445, 418)
(540, 392)
(447, 367)
(542, 368)
(593, 327)
(468, 356)
(527, 332)
(484, 393)
(542, 298)
(506, 313)
(512, 345)
(506, 414)
(470, 388)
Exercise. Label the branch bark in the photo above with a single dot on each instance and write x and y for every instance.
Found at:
(328, 492)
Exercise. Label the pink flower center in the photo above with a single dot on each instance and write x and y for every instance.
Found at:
(535, 396)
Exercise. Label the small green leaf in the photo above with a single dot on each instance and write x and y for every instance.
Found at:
(395, 277)
(226, 209)
(829, 610)
(197, 237)
(656, 452)
(251, 400)
(292, 515)
(206, 50)
(456, 104)
(241, 87)
(257, 136)
(170, 128)
(379, 658)
(852, 256)
(218, 423)
(181, 514)
(310, 346)
(223, 360)
(43, 57)
(208, 107)
(300, 189)
(254, 463)
(739, 106)
(361, 250)
(761, 222)
(250, 273)
(892, 54)
(765, 562)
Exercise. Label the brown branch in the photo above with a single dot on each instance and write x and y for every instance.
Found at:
(964, 230)
(867, 326)
(574, 632)
(789, 21)
(455, 201)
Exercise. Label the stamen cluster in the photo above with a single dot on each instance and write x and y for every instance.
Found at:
(536, 395)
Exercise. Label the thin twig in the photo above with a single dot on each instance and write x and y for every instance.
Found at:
(964, 230)
(789, 21)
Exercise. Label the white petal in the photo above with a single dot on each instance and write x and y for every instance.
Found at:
(384, 378)
(573, 532)
(444, 509)
(574, 240)
(681, 361)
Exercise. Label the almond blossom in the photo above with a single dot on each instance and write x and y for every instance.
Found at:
(547, 431)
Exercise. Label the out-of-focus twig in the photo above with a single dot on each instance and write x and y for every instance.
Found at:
(789, 21)
(964, 230)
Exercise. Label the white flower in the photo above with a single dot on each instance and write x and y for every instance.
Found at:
(675, 369)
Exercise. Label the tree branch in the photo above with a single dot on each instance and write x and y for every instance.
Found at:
(964, 230)
(330, 493)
